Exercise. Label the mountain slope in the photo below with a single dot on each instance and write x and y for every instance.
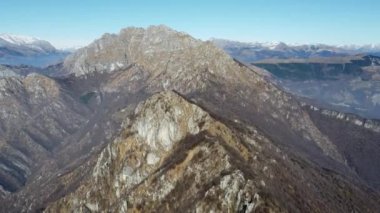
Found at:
(357, 138)
(173, 156)
(36, 115)
(165, 59)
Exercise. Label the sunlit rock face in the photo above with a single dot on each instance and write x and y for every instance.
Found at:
(162, 124)
(173, 156)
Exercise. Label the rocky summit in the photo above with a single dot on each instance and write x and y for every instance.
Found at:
(153, 120)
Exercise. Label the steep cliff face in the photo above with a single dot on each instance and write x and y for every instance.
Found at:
(173, 156)
(370, 124)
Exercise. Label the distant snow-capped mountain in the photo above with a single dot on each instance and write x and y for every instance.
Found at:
(18, 40)
(255, 51)
(25, 50)
(25, 45)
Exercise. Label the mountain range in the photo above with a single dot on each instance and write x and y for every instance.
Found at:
(25, 50)
(339, 78)
(256, 51)
(154, 120)
(349, 84)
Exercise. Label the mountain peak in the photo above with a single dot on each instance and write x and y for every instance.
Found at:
(151, 28)
(117, 51)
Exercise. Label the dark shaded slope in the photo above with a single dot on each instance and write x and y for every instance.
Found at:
(359, 145)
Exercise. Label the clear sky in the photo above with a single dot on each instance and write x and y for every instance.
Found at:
(68, 23)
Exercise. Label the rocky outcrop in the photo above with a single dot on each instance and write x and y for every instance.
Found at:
(370, 124)
(173, 156)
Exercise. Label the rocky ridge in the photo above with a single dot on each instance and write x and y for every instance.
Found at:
(173, 156)
(370, 124)
(165, 59)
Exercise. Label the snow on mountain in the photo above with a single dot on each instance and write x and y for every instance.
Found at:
(26, 50)
(276, 44)
(17, 39)
(25, 45)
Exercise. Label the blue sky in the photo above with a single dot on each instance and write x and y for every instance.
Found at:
(69, 23)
